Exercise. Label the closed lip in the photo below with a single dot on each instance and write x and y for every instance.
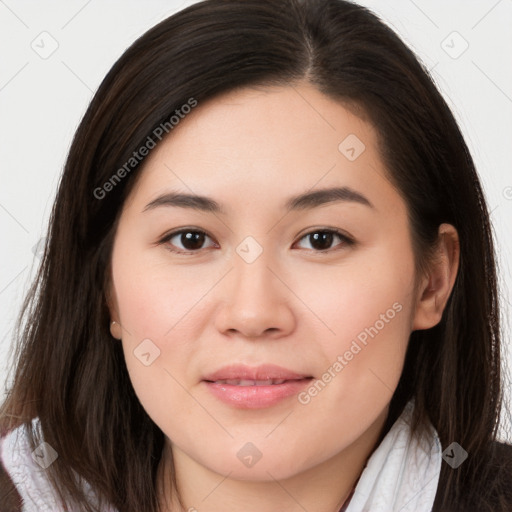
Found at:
(256, 373)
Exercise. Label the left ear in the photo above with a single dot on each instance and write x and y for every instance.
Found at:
(435, 289)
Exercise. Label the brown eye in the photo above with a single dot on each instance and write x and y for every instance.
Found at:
(190, 240)
(321, 240)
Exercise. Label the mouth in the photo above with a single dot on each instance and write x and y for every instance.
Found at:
(250, 382)
(264, 386)
(262, 375)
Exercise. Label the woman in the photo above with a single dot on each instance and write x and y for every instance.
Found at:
(269, 283)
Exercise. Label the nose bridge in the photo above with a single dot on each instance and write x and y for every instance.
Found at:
(251, 267)
(256, 300)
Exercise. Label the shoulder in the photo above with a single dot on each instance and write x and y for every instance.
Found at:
(500, 464)
(22, 475)
(503, 452)
(10, 499)
(494, 490)
(501, 469)
(24, 484)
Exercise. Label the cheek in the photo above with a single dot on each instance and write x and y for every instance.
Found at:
(156, 306)
(153, 297)
(157, 367)
(353, 295)
(369, 310)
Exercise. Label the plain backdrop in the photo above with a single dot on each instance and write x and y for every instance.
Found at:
(54, 55)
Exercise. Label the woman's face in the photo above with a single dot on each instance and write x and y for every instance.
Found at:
(270, 283)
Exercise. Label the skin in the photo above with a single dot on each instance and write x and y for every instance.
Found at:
(294, 306)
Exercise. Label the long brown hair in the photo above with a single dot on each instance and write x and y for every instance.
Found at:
(72, 376)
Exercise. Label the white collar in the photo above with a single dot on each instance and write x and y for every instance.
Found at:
(402, 474)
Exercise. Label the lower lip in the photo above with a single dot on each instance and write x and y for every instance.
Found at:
(256, 397)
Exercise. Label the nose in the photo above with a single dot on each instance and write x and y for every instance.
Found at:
(258, 302)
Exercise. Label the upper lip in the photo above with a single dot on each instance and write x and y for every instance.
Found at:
(262, 372)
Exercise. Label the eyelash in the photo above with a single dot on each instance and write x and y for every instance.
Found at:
(347, 241)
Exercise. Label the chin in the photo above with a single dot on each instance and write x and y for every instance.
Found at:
(266, 469)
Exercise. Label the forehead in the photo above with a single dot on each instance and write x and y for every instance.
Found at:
(265, 142)
(269, 119)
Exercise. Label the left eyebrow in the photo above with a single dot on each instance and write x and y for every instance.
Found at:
(327, 195)
(305, 201)
(191, 201)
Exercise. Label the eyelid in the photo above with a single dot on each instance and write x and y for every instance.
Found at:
(171, 234)
(346, 239)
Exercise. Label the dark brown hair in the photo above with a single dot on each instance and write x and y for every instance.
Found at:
(71, 374)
